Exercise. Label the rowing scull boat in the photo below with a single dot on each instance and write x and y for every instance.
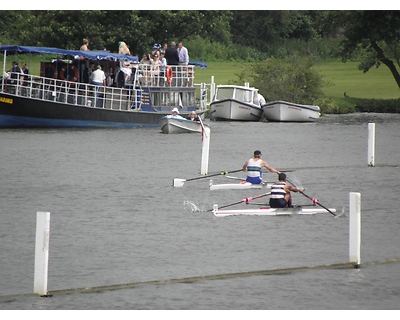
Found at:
(238, 186)
(267, 211)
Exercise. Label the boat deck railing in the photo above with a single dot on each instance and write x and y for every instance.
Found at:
(75, 93)
(148, 75)
(107, 97)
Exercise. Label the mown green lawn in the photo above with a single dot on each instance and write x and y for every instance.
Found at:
(378, 83)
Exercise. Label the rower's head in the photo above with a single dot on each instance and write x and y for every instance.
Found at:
(282, 176)
(175, 111)
(257, 154)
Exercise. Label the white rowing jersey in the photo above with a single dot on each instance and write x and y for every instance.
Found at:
(254, 168)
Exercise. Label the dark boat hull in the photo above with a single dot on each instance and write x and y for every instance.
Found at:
(20, 112)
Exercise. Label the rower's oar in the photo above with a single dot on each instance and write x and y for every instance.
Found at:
(245, 200)
(315, 201)
(179, 182)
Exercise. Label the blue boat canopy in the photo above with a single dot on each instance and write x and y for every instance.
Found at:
(91, 55)
(198, 64)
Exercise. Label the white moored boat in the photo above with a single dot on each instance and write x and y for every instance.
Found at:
(171, 124)
(269, 211)
(238, 186)
(290, 112)
(236, 103)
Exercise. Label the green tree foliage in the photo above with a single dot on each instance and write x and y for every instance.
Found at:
(249, 35)
(375, 33)
(293, 80)
(265, 30)
(105, 28)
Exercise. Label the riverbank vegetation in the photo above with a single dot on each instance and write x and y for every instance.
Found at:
(344, 61)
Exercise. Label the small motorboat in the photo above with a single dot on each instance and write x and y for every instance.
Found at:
(236, 103)
(282, 111)
(177, 124)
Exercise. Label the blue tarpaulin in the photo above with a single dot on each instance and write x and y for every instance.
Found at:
(91, 55)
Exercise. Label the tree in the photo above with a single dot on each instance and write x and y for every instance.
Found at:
(292, 80)
(140, 29)
(377, 33)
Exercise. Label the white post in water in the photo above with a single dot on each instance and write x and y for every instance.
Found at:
(355, 228)
(212, 89)
(371, 144)
(41, 253)
(206, 150)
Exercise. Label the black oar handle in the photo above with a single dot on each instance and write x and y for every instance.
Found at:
(213, 175)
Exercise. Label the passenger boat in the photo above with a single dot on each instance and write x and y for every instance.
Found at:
(238, 186)
(59, 97)
(236, 103)
(290, 112)
(171, 124)
(267, 211)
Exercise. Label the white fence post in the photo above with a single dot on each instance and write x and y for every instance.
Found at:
(355, 228)
(371, 144)
(205, 155)
(212, 90)
(41, 253)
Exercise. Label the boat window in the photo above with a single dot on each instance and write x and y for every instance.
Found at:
(188, 99)
(224, 93)
(244, 95)
(156, 99)
(255, 99)
(173, 99)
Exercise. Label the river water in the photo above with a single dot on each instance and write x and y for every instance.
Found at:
(116, 219)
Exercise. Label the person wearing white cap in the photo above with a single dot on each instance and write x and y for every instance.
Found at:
(253, 167)
(175, 113)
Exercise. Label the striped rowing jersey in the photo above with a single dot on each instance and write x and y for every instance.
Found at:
(277, 190)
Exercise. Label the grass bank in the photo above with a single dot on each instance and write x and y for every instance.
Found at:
(374, 91)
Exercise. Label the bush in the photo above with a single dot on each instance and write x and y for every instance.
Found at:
(293, 80)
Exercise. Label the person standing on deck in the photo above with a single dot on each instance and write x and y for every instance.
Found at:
(85, 45)
(280, 193)
(254, 165)
(25, 77)
(183, 55)
(171, 54)
(98, 78)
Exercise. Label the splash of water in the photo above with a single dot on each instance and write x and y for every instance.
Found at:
(190, 206)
